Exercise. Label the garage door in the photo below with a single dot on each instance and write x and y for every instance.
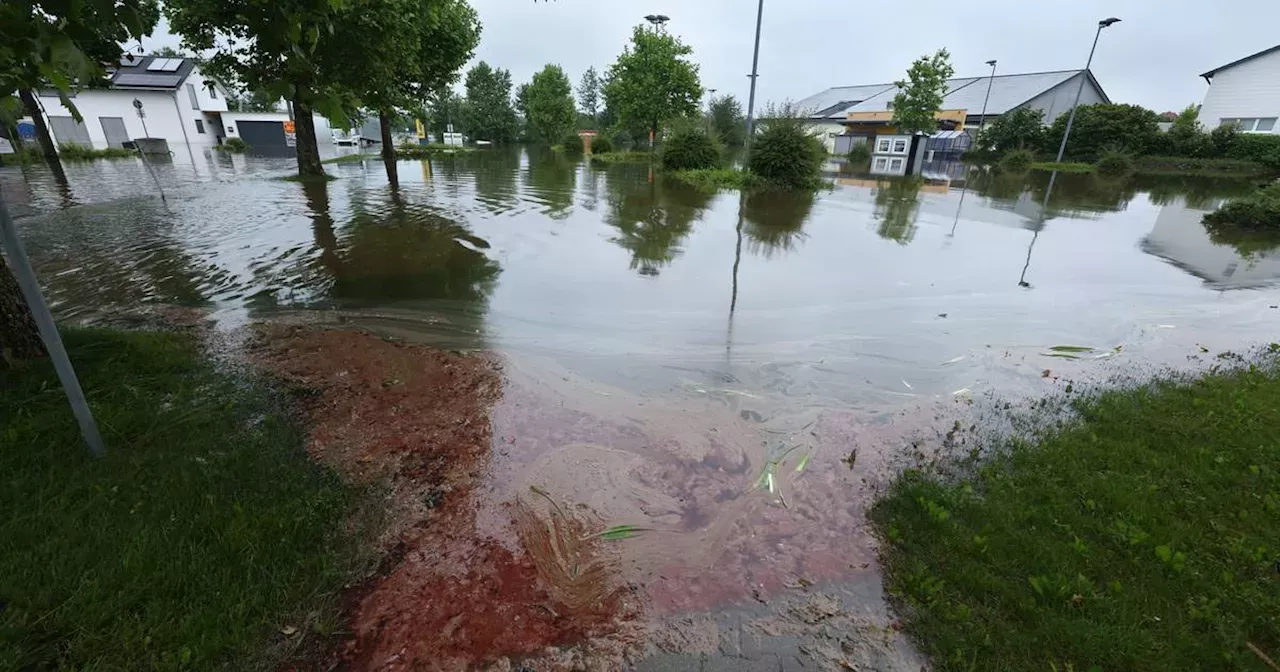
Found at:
(264, 137)
(68, 131)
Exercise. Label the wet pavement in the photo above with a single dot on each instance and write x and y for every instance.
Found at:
(735, 377)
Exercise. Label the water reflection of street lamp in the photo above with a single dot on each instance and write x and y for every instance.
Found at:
(983, 124)
(1085, 75)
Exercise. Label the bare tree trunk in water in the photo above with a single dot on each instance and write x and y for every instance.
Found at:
(388, 149)
(42, 134)
(308, 151)
(19, 338)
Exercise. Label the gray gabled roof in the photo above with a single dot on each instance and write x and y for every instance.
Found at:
(963, 93)
(821, 102)
(1208, 76)
(133, 73)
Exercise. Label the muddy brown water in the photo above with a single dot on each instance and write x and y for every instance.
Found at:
(698, 366)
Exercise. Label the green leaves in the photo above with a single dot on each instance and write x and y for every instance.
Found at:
(653, 81)
(548, 104)
(921, 96)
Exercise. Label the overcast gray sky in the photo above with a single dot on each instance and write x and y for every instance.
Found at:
(1152, 58)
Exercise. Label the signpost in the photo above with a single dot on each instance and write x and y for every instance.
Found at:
(137, 105)
(290, 134)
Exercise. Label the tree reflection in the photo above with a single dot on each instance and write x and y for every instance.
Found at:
(1196, 191)
(652, 217)
(774, 219)
(897, 206)
(495, 174)
(551, 179)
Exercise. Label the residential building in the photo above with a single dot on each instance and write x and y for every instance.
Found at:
(867, 110)
(1245, 93)
(177, 103)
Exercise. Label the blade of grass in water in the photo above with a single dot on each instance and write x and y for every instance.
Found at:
(618, 532)
(804, 462)
(1071, 348)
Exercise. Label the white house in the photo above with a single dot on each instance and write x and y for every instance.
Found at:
(1245, 93)
(841, 109)
(179, 105)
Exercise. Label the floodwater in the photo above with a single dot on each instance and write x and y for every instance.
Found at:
(697, 365)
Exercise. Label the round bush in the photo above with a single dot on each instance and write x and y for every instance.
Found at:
(1017, 161)
(572, 143)
(786, 153)
(234, 145)
(860, 153)
(690, 149)
(1114, 163)
(601, 145)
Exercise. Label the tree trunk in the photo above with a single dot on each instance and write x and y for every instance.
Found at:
(42, 134)
(308, 151)
(388, 149)
(19, 338)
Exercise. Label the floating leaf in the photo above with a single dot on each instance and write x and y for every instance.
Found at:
(619, 532)
(1062, 355)
(1070, 348)
(804, 462)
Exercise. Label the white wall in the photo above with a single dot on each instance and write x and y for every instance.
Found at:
(824, 129)
(1057, 101)
(165, 119)
(1251, 89)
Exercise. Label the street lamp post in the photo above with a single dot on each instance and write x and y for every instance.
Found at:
(983, 124)
(711, 99)
(755, 73)
(1083, 76)
(658, 21)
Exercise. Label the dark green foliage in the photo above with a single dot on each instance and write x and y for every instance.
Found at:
(204, 531)
(1141, 536)
(548, 104)
(787, 153)
(916, 105)
(652, 81)
(1113, 163)
(83, 153)
(489, 113)
(860, 153)
(1207, 167)
(1261, 147)
(727, 120)
(716, 179)
(1105, 126)
(1022, 128)
(690, 149)
(233, 145)
(601, 145)
(622, 140)
(571, 143)
(1222, 138)
(1017, 161)
(1251, 224)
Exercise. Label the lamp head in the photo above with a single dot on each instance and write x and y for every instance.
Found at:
(1107, 22)
(992, 62)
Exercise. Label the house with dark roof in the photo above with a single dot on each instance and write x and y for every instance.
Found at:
(868, 109)
(147, 96)
(1244, 93)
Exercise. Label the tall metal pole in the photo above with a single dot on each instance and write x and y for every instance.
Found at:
(26, 277)
(755, 73)
(1083, 76)
(983, 124)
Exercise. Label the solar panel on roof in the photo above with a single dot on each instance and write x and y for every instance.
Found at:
(172, 65)
(147, 80)
(156, 64)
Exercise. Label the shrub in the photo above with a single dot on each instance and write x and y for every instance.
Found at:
(1127, 128)
(234, 145)
(690, 149)
(860, 153)
(601, 145)
(1222, 138)
(1114, 163)
(1017, 161)
(1261, 147)
(622, 141)
(84, 153)
(787, 153)
(1022, 128)
(572, 143)
(1250, 224)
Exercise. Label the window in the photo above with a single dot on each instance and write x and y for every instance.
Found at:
(882, 145)
(231, 130)
(213, 92)
(895, 165)
(191, 93)
(881, 163)
(1251, 125)
(899, 146)
(199, 126)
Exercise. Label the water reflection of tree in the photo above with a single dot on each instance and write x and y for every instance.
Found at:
(897, 206)
(652, 216)
(551, 178)
(1073, 193)
(495, 173)
(1196, 191)
(774, 219)
(395, 250)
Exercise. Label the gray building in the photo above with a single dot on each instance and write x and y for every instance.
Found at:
(1052, 92)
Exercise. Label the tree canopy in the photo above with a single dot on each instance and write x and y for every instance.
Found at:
(653, 80)
(917, 104)
(589, 91)
(548, 104)
(1022, 128)
(727, 120)
(489, 112)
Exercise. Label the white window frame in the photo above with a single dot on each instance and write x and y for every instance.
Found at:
(1248, 124)
(882, 145)
(897, 149)
(881, 163)
(896, 164)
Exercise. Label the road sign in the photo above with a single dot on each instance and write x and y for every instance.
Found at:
(137, 105)
(290, 134)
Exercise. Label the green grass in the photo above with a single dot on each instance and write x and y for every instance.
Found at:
(1064, 167)
(428, 151)
(202, 533)
(1144, 535)
(82, 153)
(716, 179)
(626, 157)
(354, 158)
(1177, 165)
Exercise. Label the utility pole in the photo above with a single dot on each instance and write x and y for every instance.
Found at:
(755, 73)
(1083, 76)
(983, 124)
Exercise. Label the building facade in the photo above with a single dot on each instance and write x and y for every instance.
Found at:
(1244, 93)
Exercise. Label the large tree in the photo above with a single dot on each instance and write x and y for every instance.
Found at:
(489, 112)
(916, 106)
(445, 108)
(589, 93)
(727, 120)
(65, 45)
(548, 103)
(274, 47)
(653, 80)
(393, 54)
